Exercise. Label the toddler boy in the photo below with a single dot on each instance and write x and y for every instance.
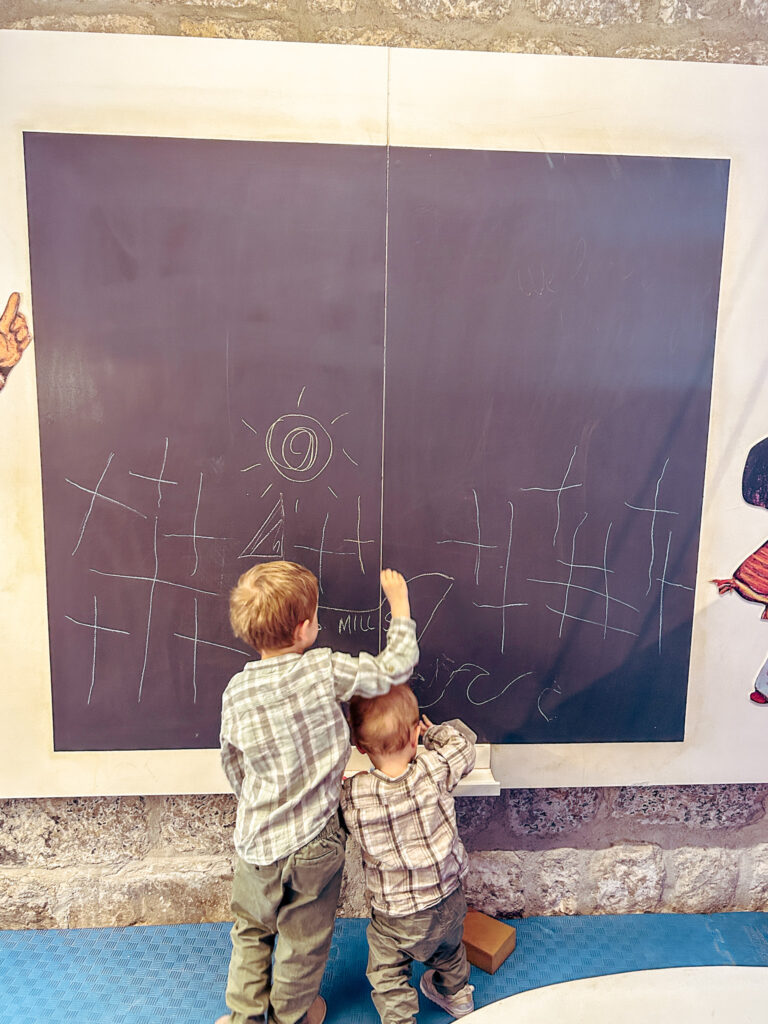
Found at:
(284, 746)
(402, 814)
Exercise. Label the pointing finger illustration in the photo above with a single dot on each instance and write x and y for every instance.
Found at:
(10, 311)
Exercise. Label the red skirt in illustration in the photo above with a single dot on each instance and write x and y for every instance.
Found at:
(750, 580)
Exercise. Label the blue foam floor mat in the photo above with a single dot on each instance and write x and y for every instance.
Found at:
(147, 975)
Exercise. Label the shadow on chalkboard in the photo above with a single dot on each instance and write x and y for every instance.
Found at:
(637, 690)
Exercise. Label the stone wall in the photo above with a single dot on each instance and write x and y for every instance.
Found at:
(69, 863)
(90, 862)
(708, 30)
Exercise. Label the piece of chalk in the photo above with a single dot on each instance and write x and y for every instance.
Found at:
(488, 942)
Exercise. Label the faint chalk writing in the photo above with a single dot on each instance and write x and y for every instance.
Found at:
(549, 689)
(358, 623)
(415, 595)
(476, 674)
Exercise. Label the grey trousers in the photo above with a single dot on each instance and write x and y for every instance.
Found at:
(432, 937)
(288, 907)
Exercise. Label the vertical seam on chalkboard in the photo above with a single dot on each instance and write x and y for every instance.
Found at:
(384, 353)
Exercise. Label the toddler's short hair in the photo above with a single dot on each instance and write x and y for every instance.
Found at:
(270, 601)
(382, 725)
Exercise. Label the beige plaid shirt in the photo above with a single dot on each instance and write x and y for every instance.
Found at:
(412, 855)
(285, 741)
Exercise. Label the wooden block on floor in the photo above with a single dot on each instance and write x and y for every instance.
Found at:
(488, 942)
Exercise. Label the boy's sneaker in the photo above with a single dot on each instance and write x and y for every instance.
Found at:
(758, 698)
(227, 1019)
(316, 1012)
(458, 1005)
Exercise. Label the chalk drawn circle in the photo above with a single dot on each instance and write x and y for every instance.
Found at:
(299, 447)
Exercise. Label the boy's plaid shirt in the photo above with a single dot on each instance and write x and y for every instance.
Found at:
(285, 741)
(412, 855)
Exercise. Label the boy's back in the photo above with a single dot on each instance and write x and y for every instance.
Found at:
(285, 741)
(412, 854)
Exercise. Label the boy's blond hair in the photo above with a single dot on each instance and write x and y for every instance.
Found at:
(382, 725)
(270, 601)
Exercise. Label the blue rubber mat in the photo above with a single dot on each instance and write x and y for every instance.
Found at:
(148, 975)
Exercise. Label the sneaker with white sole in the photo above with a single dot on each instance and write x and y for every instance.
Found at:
(458, 1005)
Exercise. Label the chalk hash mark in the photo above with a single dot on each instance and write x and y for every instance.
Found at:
(559, 492)
(197, 641)
(195, 536)
(94, 495)
(654, 512)
(504, 603)
(667, 583)
(159, 480)
(476, 544)
(96, 628)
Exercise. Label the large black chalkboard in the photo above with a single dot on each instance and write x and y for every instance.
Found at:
(489, 370)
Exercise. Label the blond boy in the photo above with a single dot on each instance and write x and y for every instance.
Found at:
(284, 746)
(402, 814)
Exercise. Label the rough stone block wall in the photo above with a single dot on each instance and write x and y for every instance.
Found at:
(155, 860)
(70, 863)
(731, 31)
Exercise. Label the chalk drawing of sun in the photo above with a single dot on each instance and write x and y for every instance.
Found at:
(298, 446)
(300, 449)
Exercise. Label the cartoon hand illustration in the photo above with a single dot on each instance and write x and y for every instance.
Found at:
(14, 336)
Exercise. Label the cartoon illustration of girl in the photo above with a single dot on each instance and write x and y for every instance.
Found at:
(750, 580)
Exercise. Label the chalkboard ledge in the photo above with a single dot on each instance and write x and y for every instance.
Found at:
(479, 782)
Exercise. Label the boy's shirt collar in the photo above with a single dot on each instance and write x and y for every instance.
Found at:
(389, 778)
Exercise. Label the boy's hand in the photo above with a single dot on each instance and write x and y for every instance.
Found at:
(396, 592)
(424, 724)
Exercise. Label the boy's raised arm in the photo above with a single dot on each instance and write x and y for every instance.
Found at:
(370, 676)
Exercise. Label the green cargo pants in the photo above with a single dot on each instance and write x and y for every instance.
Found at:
(288, 907)
(432, 937)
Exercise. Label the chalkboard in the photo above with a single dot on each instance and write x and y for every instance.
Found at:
(490, 370)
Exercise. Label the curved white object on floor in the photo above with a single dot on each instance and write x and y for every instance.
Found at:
(676, 995)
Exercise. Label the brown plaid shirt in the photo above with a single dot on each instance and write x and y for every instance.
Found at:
(285, 741)
(412, 854)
